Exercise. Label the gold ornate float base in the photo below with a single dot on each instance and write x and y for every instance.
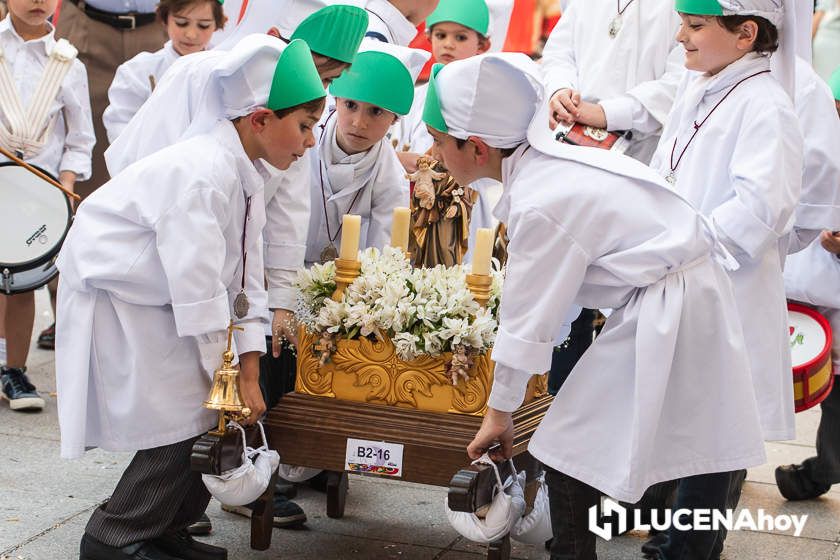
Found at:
(369, 371)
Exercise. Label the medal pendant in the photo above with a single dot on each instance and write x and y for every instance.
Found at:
(671, 178)
(615, 26)
(241, 305)
(329, 253)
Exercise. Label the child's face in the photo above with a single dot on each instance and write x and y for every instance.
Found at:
(31, 13)
(361, 125)
(452, 41)
(459, 162)
(710, 47)
(191, 29)
(285, 140)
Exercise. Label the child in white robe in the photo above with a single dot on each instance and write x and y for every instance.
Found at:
(812, 277)
(615, 65)
(190, 25)
(748, 189)
(58, 139)
(653, 259)
(356, 171)
(155, 272)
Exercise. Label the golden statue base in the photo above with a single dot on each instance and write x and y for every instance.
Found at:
(369, 371)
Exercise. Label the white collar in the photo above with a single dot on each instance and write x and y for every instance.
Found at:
(48, 39)
(170, 51)
(402, 31)
(252, 181)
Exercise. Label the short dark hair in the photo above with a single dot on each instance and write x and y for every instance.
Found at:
(309, 106)
(506, 152)
(767, 37)
(167, 7)
(482, 38)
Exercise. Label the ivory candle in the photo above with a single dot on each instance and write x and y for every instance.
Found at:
(482, 251)
(399, 228)
(350, 228)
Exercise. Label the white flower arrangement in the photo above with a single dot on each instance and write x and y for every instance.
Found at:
(423, 311)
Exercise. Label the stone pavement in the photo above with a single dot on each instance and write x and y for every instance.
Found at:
(46, 502)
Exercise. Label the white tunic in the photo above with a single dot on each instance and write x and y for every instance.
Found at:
(386, 23)
(69, 146)
(664, 391)
(133, 85)
(370, 184)
(287, 207)
(634, 76)
(819, 205)
(744, 170)
(149, 272)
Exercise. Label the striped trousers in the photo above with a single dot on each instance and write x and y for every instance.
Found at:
(157, 493)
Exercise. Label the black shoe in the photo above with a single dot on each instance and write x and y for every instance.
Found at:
(202, 527)
(182, 545)
(21, 394)
(655, 541)
(287, 514)
(795, 484)
(46, 340)
(92, 549)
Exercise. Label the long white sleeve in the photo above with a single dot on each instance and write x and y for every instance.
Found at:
(545, 269)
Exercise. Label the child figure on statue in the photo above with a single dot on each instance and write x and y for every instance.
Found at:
(440, 210)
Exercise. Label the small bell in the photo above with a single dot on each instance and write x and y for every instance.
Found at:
(224, 394)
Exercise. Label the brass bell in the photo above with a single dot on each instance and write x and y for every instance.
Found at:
(224, 394)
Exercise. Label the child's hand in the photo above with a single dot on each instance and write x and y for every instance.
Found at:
(830, 241)
(563, 108)
(68, 181)
(592, 114)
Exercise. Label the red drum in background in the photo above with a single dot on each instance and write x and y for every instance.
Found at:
(810, 348)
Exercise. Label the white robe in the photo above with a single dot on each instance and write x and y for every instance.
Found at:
(744, 170)
(664, 392)
(149, 272)
(132, 86)
(634, 76)
(379, 176)
(287, 207)
(819, 205)
(386, 23)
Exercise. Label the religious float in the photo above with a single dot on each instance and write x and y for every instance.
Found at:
(393, 368)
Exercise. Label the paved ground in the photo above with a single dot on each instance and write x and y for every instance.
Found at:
(46, 501)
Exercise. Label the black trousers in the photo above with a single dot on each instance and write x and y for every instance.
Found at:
(157, 493)
(571, 499)
(824, 469)
(277, 375)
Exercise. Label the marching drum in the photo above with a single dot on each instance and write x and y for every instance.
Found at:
(34, 219)
(810, 348)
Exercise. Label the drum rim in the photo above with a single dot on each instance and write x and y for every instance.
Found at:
(51, 254)
(826, 326)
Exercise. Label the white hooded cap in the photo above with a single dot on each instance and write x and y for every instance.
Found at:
(196, 92)
(412, 59)
(493, 96)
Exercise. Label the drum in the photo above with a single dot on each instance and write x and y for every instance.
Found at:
(810, 349)
(34, 219)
